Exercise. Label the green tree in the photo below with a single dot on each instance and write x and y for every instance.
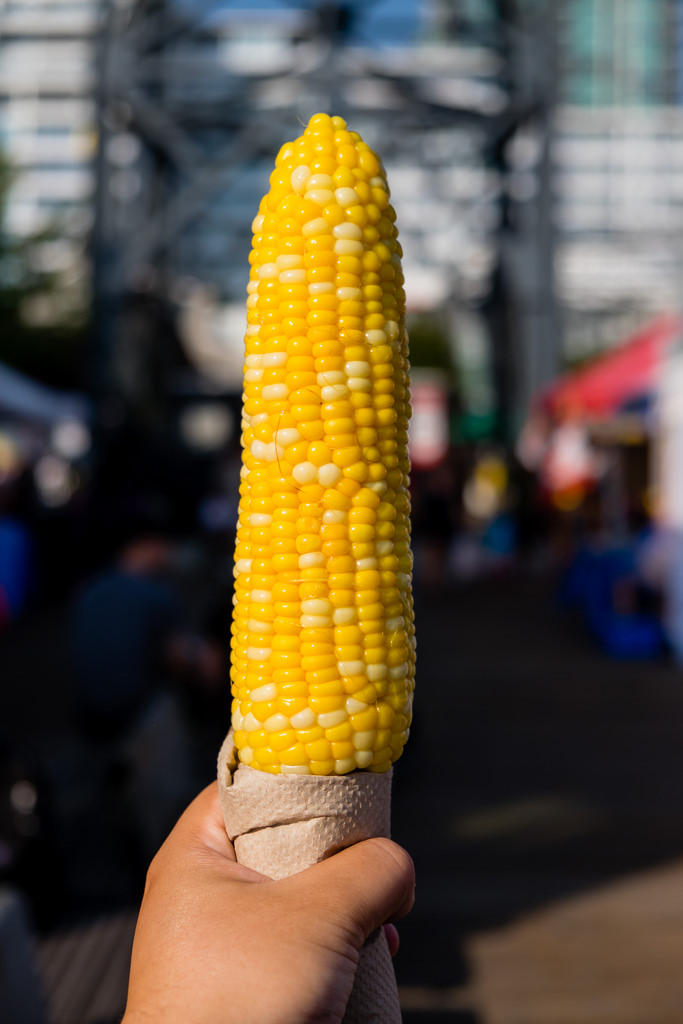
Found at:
(43, 298)
(429, 344)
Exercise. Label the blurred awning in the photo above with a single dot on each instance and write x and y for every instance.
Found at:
(615, 379)
(25, 398)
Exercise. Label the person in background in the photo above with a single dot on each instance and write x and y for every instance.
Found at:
(133, 650)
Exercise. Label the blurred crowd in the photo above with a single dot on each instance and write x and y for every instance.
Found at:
(115, 610)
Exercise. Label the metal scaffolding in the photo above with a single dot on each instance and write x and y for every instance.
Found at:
(194, 102)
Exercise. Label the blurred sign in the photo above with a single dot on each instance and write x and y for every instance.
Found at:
(472, 357)
(429, 426)
(570, 468)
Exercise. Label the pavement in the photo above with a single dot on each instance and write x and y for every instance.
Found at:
(541, 796)
(542, 800)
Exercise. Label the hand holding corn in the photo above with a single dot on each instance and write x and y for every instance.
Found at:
(297, 941)
(323, 647)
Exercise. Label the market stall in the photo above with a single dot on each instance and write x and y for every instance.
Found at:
(600, 439)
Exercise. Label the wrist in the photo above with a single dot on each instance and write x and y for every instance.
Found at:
(139, 1017)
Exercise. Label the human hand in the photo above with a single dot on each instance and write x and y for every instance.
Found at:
(218, 943)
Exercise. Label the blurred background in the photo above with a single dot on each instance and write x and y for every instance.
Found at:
(534, 151)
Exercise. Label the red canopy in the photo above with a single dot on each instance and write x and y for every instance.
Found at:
(615, 377)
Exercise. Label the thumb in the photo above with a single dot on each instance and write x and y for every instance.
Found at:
(363, 886)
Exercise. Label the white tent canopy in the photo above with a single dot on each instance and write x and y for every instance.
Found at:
(24, 398)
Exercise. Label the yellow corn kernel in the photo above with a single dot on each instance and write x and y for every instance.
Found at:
(319, 750)
(323, 660)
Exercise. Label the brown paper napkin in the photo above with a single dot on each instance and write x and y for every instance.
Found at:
(281, 824)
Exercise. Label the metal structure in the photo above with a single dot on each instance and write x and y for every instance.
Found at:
(194, 101)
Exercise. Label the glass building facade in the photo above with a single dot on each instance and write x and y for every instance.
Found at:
(46, 107)
(619, 52)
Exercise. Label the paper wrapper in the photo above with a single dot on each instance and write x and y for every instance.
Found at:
(281, 824)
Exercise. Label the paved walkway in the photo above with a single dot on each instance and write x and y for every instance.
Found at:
(611, 956)
(542, 799)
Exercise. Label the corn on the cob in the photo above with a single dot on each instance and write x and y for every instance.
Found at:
(323, 651)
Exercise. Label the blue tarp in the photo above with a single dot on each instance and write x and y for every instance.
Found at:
(591, 584)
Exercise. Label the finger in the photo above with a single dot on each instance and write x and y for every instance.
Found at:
(202, 824)
(365, 885)
(393, 941)
(200, 847)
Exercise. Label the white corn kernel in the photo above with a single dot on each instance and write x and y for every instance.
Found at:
(298, 179)
(319, 181)
(351, 668)
(286, 436)
(334, 392)
(331, 377)
(303, 719)
(256, 626)
(329, 474)
(292, 276)
(357, 368)
(348, 247)
(344, 616)
(317, 226)
(268, 272)
(259, 653)
(260, 519)
(346, 197)
(399, 671)
(332, 718)
(311, 559)
(305, 473)
(335, 515)
(276, 723)
(347, 230)
(268, 692)
(315, 621)
(321, 196)
(271, 359)
(287, 261)
(316, 606)
(274, 392)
